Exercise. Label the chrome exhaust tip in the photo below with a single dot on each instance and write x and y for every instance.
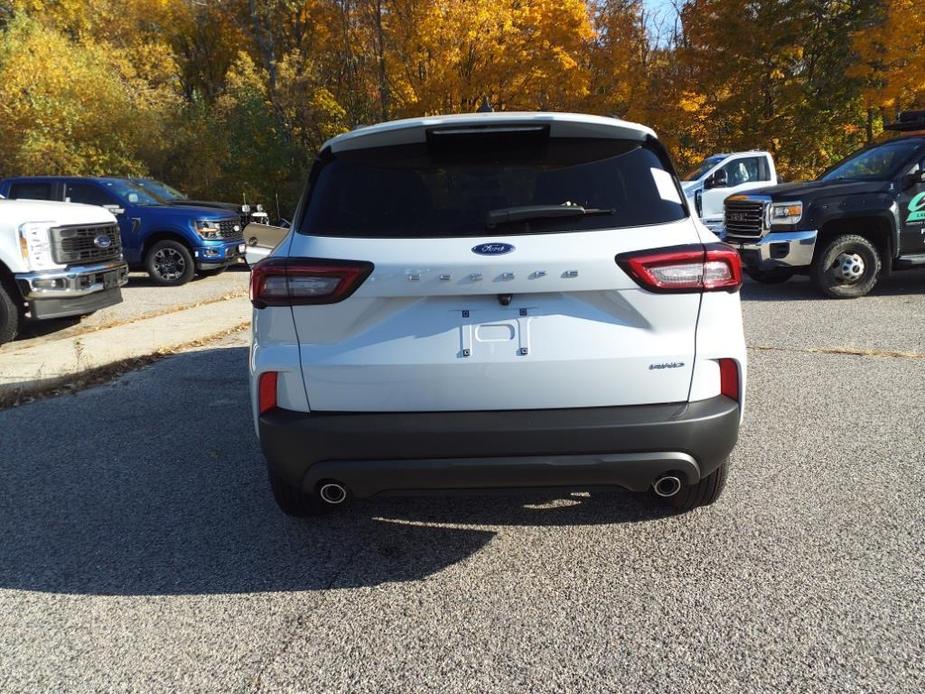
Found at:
(666, 486)
(332, 493)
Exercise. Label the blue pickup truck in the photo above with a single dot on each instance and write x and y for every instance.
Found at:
(171, 242)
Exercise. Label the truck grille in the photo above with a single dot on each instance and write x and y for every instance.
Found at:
(744, 218)
(228, 232)
(82, 244)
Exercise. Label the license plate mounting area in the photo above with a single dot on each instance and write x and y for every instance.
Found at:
(494, 334)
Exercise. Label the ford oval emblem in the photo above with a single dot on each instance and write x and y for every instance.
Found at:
(493, 248)
(102, 241)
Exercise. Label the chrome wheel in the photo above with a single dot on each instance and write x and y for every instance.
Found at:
(849, 268)
(169, 264)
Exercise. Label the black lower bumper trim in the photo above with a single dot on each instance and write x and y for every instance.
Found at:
(604, 446)
(634, 471)
(59, 307)
(228, 262)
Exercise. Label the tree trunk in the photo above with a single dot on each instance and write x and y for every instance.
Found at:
(384, 96)
(263, 35)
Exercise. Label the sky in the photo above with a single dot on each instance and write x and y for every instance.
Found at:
(659, 10)
(657, 5)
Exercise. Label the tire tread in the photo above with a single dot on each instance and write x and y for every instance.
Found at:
(9, 315)
(293, 502)
(704, 493)
(818, 269)
(188, 274)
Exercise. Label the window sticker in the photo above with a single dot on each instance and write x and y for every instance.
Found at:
(666, 187)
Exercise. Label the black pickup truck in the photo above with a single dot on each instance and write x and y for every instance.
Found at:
(862, 219)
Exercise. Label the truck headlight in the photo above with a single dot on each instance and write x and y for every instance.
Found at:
(35, 245)
(785, 212)
(208, 229)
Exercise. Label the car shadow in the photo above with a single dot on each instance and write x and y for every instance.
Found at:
(32, 329)
(154, 485)
(524, 508)
(800, 288)
(140, 278)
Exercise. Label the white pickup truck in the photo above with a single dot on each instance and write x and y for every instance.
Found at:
(56, 260)
(722, 175)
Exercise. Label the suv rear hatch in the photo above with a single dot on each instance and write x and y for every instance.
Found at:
(480, 273)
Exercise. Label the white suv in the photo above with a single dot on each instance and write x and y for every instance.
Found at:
(496, 301)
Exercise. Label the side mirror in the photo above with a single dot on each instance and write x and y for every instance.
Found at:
(913, 179)
(717, 180)
(115, 209)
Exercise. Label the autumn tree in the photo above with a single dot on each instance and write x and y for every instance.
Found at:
(70, 108)
(234, 97)
(620, 60)
(776, 73)
(891, 62)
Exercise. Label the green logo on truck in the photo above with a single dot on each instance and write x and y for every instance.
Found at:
(916, 209)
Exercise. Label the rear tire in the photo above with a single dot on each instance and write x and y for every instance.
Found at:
(847, 268)
(704, 493)
(293, 502)
(9, 315)
(169, 263)
(777, 276)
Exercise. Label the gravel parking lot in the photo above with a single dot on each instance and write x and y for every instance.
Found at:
(141, 550)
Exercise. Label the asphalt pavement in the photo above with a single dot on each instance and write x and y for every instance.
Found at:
(141, 550)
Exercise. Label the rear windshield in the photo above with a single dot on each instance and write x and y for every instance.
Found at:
(425, 190)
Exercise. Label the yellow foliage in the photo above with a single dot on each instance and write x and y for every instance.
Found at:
(312, 110)
(87, 113)
(892, 62)
(692, 103)
(236, 96)
(446, 55)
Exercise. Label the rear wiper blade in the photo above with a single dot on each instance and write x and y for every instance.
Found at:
(506, 215)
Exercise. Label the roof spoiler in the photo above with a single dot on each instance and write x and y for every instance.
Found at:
(487, 134)
(908, 121)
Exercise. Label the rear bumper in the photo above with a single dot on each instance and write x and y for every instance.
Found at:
(440, 451)
(778, 249)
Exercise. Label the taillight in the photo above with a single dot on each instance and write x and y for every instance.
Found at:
(301, 281)
(729, 378)
(715, 267)
(266, 391)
